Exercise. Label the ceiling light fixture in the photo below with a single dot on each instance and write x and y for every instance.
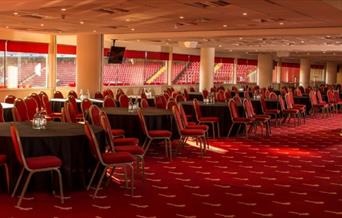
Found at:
(219, 46)
(181, 17)
(132, 29)
(41, 24)
(81, 22)
(225, 25)
(128, 20)
(244, 13)
(240, 38)
(94, 31)
(15, 13)
(281, 23)
(63, 9)
(7, 27)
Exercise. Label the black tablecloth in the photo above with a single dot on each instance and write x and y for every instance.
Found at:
(7, 110)
(305, 99)
(64, 140)
(58, 103)
(156, 118)
(197, 95)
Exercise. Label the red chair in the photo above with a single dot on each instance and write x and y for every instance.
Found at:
(288, 112)
(72, 93)
(338, 101)
(155, 135)
(180, 98)
(32, 107)
(316, 106)
(236, 119)
(33, 165)
(124, 101)
(190, 125)
(72, 101)
(320, 101)
(237, 98)
(192, 89)
(227, 95)
(47, 107)
(261, 120)
(58, 94)
(205, 94)
(68, 113)
(10, 99)
(213, 121)
(171, 102)
(3, 162)
(133, 149)
(273, 96)
(85, 105)
(1, 114)
(94, 114)
(109, 101)
(144, 103)
(271, 112)
(220, 97)
(108, 92)
(38, 100)
(290, 105)
(197, 133)
(98, 95)
(19, 111)
(109, 160)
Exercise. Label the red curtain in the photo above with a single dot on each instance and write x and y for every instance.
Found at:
(28, 47)
(66, 49)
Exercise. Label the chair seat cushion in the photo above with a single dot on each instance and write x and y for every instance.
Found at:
(204, 127)
(192, 132)
(191, 123)
(132, 149)
(160, 133)
(126, 141)
(117, 157)
(209, 119)
(293, 111)
(272, 111)
(2, 159)
(117, 132)
(43, 162)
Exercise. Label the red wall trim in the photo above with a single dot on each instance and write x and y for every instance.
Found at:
(28, 47)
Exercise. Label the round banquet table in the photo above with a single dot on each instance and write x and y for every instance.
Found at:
(156, 118)
(58, 103)
(64, 140)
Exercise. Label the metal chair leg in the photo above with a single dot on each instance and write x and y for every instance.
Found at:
(18, 182)
(24, 189)
(7, 177)
(60, 185)
(93, 176)
(99, 183)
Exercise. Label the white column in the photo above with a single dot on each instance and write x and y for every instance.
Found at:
(235, 70)
(207, 62)
(304, 74)
(331, 73)
(52, 74)
(264, 70)
(169, 67)
(89, 62)
(278, 70)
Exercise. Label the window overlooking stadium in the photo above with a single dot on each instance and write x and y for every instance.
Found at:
(26, 65)
(316, 74)
(223, 71)
(185, 69)
(137, 68)
(290, 72)
(66, 65)
(246, 71)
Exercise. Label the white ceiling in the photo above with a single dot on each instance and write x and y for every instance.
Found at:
(302, 27)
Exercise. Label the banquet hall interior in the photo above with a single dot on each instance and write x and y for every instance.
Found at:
(184, 108)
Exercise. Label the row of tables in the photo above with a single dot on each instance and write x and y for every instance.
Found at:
(68, 141)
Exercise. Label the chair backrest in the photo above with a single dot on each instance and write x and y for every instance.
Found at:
(109, 101)
(247, 105)
(192, 89)
(313, 97)
(170, 104)
(10, 99)
(58, 94)
(38, 100)
(17, 145)
(233, 110)
(197, 109)
(144, 103)
(180, 98)
(69, 114)
(205, 93)
(220, 96)
(186, 94)
(73, 93)
(281, 103)
(32, 107)
(72, 101)
(46, 104)
(298, 92)
(85, 105)
(123, 100)
(263, 105)
(167, 95)
(94, 113)
(108, 92)
(273, 96)
(178, 119)
(94, 146)
(98, 95)
(227, 94)
(21, 108)
(331, 96)
(183, 115)
(142, 122)
(1, 114)
(288, 101)
(337, 96)
(143, 94)
(245, 94)
(319, 97)
(105, 124)
(267, 94)
(237, 98)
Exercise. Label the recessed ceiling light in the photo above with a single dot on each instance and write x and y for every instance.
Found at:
(246, 52)
(230, 50)
(181, 17)
(63, 9)
(175, 26)
(94, 31)
(81, 22)
(219, 46)
(281, 23)
(132, 29)
(244, 13)
(323, 52)
(138, 40)
(7, 27)
(240, 38)
(128, 20)
(302, 42)
(225, 25)
(41, 24)
(15, 13)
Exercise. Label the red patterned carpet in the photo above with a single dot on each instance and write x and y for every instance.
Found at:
(294, 173)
